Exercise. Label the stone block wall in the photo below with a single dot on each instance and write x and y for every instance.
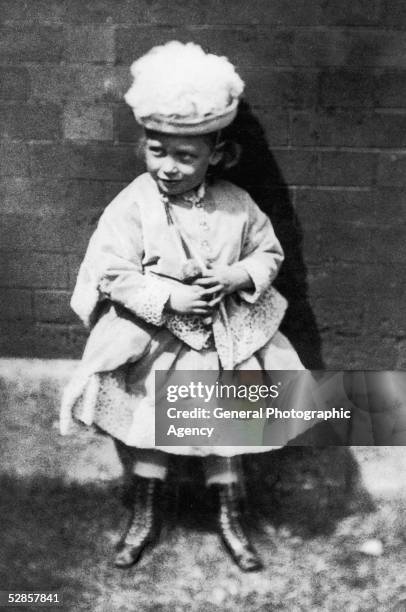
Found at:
(326, 84)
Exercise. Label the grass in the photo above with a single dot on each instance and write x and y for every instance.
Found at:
(309, 512)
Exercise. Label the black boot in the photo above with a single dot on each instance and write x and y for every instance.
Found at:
(231, 531)
(143, 527)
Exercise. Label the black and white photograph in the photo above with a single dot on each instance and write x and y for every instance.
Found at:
(203, 305)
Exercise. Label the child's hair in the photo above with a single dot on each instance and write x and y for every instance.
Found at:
(231, 152)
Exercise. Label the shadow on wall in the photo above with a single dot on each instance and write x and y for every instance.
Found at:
(258, 173)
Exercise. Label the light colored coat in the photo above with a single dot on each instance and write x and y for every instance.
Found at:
(134, 250)
(135, 254)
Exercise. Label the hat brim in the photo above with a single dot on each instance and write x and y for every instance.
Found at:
(189, 127)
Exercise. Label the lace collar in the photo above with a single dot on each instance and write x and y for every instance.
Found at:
(194, 196)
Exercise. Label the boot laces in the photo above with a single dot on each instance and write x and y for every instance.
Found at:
(143, 516)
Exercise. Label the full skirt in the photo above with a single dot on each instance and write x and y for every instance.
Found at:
(121, 402)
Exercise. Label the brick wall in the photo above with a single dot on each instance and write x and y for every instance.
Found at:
(326, 82)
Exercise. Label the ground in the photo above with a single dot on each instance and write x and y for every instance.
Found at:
(330, 523)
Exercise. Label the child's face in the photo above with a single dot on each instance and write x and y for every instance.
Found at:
(178, 163)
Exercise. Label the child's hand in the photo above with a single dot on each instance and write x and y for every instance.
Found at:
(231, 278)
(193, 299)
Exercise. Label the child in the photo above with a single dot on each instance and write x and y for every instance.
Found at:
(177, 276)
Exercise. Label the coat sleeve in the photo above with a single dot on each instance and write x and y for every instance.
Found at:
(112, 269)
(262, 254)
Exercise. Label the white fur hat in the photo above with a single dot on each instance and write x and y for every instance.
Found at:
(180, 89)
